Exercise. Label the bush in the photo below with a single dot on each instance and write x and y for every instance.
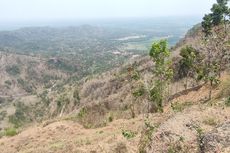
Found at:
(3, 115)
(146, 136)
(82, 113)
(76, 97)
(227, 102)
(8, 82)
(20, 116)
(179, 107)
(139, 92)
(110, 118)
(13, 70)
(10, 132)
(63, 99)
(28, 88)
(128, 134)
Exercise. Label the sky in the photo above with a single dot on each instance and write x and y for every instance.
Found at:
(33, 10)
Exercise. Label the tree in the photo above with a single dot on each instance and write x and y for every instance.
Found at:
(163, 72)
(207, 25)
(189, 64)
(220, 11)
(215, 28)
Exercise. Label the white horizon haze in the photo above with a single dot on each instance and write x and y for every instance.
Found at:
(43, 10)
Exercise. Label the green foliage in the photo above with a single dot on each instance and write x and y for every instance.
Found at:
(62, 65)
(207, 24)
(128, 134)
(200, 135)
(227, 102)
(146, 136)
(76, 97)
(178, 146)
(219, 12)
(3, 115)
(8, 82)
(133, 72)
(174, 149)
(156, 95)
(163, 72)
(190, 62)
(135, 75)
(25, 85)
(13, 70)
(139, 91)
(82, 112)
(61, 101)
(216, 37)
(179, 107)
(110, 118)
(10, 132)
(20, 117)
(44, 97)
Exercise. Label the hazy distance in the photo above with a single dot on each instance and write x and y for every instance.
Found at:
(14, 13)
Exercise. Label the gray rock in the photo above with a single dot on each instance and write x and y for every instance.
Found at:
(217, 140)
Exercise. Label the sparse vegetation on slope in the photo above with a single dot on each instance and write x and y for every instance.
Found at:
(162, 103)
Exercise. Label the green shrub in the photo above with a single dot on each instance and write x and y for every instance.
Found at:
(139, 92)
(76, 97)
(25, 85)
(82, 113)
(59, 103)
(227, 102)
(128, 134)
(13, 70)
(146, 136)
(135, 75)
(110, 118)
(10, 132)
(179, 107)
(63, 99)
(8, 82)
(44, 97)
(3, 115)
(21, 115)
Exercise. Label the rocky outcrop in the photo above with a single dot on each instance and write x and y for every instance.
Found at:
(217, 140)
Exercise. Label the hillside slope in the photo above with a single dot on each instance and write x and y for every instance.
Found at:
(105, 108)
(175, 130)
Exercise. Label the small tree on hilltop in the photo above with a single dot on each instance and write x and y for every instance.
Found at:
(163, 72)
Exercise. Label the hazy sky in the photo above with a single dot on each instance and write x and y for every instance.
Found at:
(11, 10)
